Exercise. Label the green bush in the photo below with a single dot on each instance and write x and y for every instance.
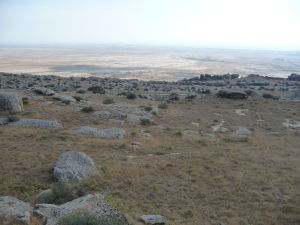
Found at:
(87, 109)
(78, 98)
(86, 218)
(25, 100)
(145, 121)
(267, 95)
(148, 108)
(162, 106)
(61, 193)
(130, 95)
(108, 101)
(13, 118)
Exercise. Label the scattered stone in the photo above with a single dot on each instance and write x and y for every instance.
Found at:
(153, 219)
(44, 91)
(116, 121)
(92, 203)
(243, 131)
(14, 211)
(63, 98)
(291, 124)
(72, 167)
(195, 124)
(102, 114)
(219, 127)
(10, 102)
(111, 133)
(241, 112)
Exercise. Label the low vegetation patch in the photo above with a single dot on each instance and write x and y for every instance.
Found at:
(108, 101)
(236, 139)
(78, 98)
(13, 118)
(87, 109)
(25, 100)
(87, 218)
(61, 193)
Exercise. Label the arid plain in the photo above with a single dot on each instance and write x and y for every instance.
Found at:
(146, 63)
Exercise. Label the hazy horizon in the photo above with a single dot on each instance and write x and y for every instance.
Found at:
(231, 24)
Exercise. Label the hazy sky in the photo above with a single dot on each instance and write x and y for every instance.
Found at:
(267, 24)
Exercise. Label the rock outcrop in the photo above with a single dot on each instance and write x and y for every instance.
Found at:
(14, 211)
(92, 203)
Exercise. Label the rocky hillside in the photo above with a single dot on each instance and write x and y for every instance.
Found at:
(206, 150)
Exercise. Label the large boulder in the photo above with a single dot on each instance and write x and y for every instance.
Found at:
(110, 133)
(72, 167)
(91, 203)
(10, 102)
(14, 211)
(232, 94)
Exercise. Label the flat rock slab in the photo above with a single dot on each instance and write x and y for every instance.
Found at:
(92, 203)
(191, 132)
(153, 219)
(243, 131)
(63, 98)
(34, 123)
(72, 167)
(110, 133)
(14, 211)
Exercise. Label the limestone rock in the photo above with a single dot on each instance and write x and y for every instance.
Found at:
(243, 131)
(92, 203)
(10, 102)
(71, 167)
(153, 219)
(14, 211)
(44, 91)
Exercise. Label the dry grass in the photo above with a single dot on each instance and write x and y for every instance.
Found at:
(189, 179)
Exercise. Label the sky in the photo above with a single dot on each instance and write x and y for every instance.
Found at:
(253, 24)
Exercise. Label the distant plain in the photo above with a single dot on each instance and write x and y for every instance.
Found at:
(145, 63)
